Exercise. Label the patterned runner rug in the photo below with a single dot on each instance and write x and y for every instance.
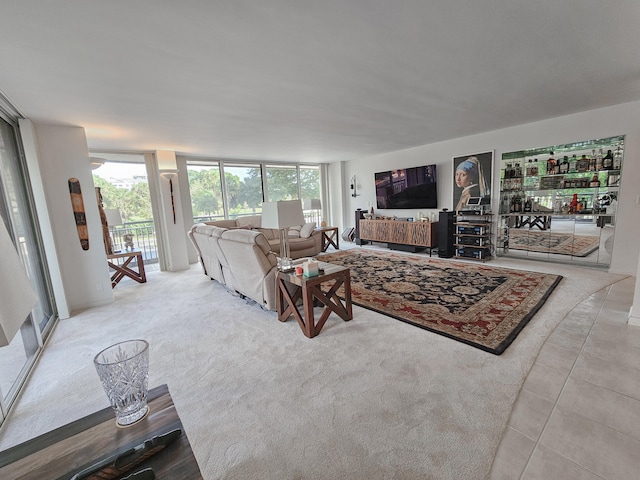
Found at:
(546, 242)
(480, 305)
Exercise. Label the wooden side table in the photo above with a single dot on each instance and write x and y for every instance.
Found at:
(64, 451)
(122, 270)
(543, 222)
(329, 237)
(291, 287)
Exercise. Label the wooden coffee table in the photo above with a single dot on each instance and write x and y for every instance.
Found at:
(61, 453)
(291, 287)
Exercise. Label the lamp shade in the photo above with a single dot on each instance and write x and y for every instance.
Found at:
(312, 204)
(282, 214)
(96, 162)
(113, 216)
(16, 294)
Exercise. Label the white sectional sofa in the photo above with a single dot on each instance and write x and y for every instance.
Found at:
(239, 259)
(304, 241)
(242, 256)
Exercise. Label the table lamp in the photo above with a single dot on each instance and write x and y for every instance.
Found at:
(282, 215)
(315, 205)
(113, 218)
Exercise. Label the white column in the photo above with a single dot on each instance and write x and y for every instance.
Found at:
(54, 153)
(173, 229)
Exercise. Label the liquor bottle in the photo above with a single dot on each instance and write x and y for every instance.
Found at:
(595, 181)
(527, 205)
(583, 164)
(573, 164)
(551, 163)
(504, 208)
(534, 167)
(607, 161)
(564, 166)
(573, 206)
(617, 159)
(598, 162)
(517, 207)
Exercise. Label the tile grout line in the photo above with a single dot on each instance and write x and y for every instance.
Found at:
(555, 403)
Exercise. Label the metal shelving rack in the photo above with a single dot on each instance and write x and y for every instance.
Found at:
(473, 231)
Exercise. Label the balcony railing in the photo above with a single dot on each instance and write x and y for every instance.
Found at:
(144, 233)
(144, 238)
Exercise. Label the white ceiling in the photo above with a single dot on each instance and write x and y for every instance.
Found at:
(311, 80)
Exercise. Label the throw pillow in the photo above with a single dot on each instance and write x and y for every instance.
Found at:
(254, 221)
(307, 229)
(294, 232)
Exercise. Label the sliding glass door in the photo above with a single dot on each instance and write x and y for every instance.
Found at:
(18, 216)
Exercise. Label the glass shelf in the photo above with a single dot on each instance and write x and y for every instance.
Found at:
(549, 197)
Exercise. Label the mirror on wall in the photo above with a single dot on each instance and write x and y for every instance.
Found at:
(559, 202)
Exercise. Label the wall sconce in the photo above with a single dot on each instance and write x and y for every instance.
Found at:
(171, 173)
(353, 187)
(96, 162)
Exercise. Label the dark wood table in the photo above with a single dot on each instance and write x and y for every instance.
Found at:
(291, 287)
(329, 237)
(62, 452)
(122, 270)
(543, 222)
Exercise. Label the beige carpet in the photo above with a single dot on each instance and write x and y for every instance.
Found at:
(372, 398)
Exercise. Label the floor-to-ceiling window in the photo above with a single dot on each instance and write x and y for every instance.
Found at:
(224, 189)
(310, 193)
(282, 182)
(18, 216)
(205, 187)
(122, 179)
(242, 189)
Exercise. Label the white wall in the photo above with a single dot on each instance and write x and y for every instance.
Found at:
(605, 122)
(337, 191)
(61, 153)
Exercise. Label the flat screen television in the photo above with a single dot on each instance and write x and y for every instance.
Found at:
(414, 187)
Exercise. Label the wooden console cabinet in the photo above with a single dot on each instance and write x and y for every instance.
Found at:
(400, 235)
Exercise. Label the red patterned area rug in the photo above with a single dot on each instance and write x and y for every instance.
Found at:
(477, 304)
(547, 242)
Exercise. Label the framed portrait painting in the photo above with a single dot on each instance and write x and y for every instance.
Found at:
(472, 179)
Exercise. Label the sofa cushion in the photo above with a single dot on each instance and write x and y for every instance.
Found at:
(307, 229)
(270, 233)
(223, 223)
(294, 232)
(252, 221)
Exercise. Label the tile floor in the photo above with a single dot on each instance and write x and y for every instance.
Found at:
(578, 413)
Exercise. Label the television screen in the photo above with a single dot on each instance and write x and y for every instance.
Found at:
(414, 187)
